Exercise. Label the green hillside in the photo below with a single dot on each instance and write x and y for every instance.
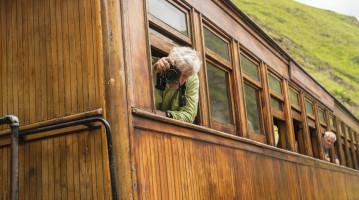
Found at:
(324, 43)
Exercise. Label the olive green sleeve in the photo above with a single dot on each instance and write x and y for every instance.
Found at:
(189, 112)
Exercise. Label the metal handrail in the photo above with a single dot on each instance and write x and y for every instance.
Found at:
(11, 120)
(14, 124)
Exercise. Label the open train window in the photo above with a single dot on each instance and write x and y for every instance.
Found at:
(219, 79)
(314, 141)
(280, 133)
(277, 102)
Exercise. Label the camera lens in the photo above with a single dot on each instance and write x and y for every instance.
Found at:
(171, 75)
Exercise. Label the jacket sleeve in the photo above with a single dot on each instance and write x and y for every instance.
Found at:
(189, 112)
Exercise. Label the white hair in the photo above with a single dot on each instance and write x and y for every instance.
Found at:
(186, 58)
(328, 133)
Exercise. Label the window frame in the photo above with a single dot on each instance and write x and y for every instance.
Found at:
(166, 29)
(215, 124)
(224, 65)
(224, 37)
(257, 86)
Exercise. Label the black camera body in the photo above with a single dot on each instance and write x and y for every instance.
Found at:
(171, 75)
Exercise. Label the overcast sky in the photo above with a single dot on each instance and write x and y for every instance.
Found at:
(346, 7)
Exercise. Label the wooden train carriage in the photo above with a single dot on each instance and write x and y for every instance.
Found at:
(260, 117)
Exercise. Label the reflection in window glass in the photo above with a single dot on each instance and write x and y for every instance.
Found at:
(276, 104)
(354, 139)
(218, 95)
(331, 121)
(340, 129)
(274, 84)
(293, 97)
(169, 14)
(216, 44)
(250, 68)
(253, 109)
(321, 115)
(309, 107)
(347, 132)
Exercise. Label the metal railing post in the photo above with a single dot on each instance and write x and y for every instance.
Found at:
(14, 123)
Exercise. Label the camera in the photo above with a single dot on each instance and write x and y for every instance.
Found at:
(171, 75)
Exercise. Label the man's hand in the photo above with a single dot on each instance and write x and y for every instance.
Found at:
(337, 161)
(162, 65)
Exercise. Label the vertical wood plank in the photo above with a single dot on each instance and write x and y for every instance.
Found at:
(38, 169)
(42, 58)
(32, 78)
(69, 167)
(66, 54)
(60, 54)
(79, 56)
(90, 55)
(3, 69)
(51, 168)
(57, 168)
(99, 168)
(49, 63)
(54, 55)
(72, 50)
(2, 174)
(27, 171)
(82, 166)
(76, 168)
(37, 104)
(45, 169)
(26, 85)
(63, 168)
(32, 171)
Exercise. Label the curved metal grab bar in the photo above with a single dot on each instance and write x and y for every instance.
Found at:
(86, 122)
(14, 124)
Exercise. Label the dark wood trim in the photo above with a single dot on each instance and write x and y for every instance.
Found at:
(307, 143)
(288, 116)
(266, 106)
(318, 132)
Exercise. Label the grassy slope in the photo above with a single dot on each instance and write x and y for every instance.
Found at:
(324, 43)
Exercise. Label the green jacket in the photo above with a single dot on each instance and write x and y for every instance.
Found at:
(167, 100)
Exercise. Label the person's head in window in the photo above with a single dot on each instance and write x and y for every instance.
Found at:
(328, 140)
(177, 98)
(184, 58)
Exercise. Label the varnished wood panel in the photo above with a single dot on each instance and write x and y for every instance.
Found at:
(51, 58)
(173, 167)
(73, 166)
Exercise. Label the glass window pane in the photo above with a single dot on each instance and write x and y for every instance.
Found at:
(253, 109)
(309, 107)
(276, 104)
(216, 44)
(169, 14)
(354, 139)
(347, 132)
(293, 97)
(250, 68)
(218, 94)
(275, 85)
(331, 120)
(321, 115)
(340, 130)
